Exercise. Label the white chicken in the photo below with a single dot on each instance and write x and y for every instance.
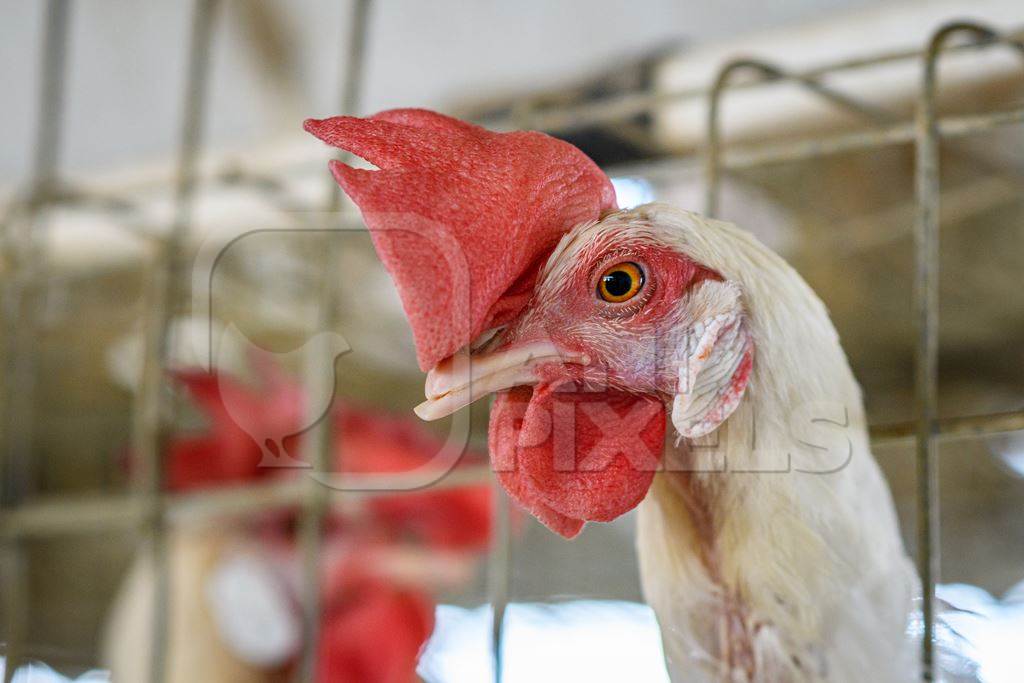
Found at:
(789, 566)
(650, 355)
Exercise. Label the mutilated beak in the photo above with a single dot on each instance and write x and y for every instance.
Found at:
(466, 377)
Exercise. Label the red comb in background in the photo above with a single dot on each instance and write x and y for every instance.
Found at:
(377, 638)
(372, 630)
(224, 454)
(367, 442)
(462, 217)
(374, 622)
(457, 518)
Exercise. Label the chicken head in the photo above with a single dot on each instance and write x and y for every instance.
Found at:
(591, 324)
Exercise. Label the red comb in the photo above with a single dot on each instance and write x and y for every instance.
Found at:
(461, 216)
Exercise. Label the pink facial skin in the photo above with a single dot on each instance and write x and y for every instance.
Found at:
(584, 443)
(631, 344)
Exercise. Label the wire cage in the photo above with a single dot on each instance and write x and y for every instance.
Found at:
(151, 511)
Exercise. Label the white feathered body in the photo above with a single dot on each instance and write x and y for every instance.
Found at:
(771, 551)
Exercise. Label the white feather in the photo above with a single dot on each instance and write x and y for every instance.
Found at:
(788, 565)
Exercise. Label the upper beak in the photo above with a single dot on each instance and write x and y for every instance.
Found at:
(463, 378)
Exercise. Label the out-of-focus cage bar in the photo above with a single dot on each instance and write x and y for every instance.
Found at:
(166, 291)
(562, 119)
(21, 303)
(59, 517)
(320, 380)
(926, 309)
(153, 510)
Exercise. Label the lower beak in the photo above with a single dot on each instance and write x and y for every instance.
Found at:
(464, 378)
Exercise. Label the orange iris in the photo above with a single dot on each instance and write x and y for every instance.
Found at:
(621, 282)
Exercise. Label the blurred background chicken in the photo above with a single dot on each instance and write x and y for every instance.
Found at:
(235, 597)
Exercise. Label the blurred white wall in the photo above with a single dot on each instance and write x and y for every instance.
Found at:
(127, 61)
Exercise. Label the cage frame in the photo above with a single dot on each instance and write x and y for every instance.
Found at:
(151, 511)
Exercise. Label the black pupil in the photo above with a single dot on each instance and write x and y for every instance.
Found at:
(618, 283)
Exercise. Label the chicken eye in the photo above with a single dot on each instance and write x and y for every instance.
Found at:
(620, 283)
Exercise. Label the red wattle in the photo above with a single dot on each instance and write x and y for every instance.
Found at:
(570, 456)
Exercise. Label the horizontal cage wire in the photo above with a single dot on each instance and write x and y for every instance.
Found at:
(150, 510)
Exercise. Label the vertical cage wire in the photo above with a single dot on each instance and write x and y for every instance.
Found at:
(499, 574)
(926, 314)
(321, 442)
(499, 555)
(15, 601)
(23, 245)
(154, 410)
(926, 351)
(22, 298)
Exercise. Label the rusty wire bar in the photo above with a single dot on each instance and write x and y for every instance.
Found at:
(321, 441)
(733, 157)
(23, 246)
(499, 571)
(16, 606)
(767, 72)
(56, 517)
(713, 146)
(750, 156)
(154, 410)
(619, 107)
(22, 296)
(926, 314)
(499, 555)
(60, 516)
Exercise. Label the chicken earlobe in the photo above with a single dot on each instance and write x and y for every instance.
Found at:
(716, 357)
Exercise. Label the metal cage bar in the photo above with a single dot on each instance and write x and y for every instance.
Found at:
(620, 107)
(926, 313)
(154, 410)
(750, 156)
(499, 574)
(93, 514)
(767, 72)
(21, 298)
(59, 517)
(321, 378)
